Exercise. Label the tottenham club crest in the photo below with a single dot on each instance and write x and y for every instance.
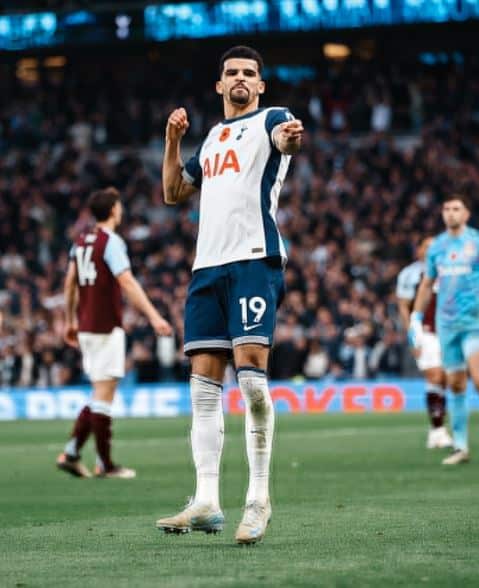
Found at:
(244, 128)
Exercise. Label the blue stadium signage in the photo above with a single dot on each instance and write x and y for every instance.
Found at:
(20, 31)
(233, 17)
(196, 20)
(170, 400)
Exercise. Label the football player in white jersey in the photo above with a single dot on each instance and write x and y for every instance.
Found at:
(237, 281)
(428, 355)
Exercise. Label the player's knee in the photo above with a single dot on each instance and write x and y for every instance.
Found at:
(253, 356)
(252, 359)
(209, 365)
(436, 377)
(457, 386)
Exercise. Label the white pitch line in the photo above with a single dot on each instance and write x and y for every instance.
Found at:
(324, 434)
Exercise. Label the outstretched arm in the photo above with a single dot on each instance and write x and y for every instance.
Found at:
(404, 307)
(137, 296)
(70, 291)
(415, 331)
(424, 294)
(287, 136)
(175, 188)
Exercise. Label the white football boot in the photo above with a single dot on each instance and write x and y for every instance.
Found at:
(252, 528)
(438, 438)
(72, 465)
(195, 517)
(117, 471)
(457, 456)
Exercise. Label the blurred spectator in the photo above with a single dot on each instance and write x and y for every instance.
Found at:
(49, 369)
(317, 361)
(354, 353)
(145, 364)
(386, 356)
(289, 352)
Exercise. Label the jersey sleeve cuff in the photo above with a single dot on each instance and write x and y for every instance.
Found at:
(121, 270)
(187, 177)
(271, 135)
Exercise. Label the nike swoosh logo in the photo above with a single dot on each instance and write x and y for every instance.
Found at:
(248, 328)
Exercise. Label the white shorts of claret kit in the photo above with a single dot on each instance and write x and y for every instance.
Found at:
(430, 356)
(103, 354)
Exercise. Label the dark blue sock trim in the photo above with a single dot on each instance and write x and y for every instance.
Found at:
(247, 368)
(207, 380)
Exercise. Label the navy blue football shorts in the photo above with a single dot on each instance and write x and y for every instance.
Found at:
(233, 304)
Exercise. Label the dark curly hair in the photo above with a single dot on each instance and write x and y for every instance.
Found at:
(241, 52)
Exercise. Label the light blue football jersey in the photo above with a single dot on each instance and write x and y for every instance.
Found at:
(454, 262)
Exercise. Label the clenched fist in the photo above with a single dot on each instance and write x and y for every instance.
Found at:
(177, 125)
(287, 136)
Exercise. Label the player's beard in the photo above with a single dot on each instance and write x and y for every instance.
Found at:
(240, 98)
(453, 225)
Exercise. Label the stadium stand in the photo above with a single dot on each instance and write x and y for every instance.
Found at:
(383, 143)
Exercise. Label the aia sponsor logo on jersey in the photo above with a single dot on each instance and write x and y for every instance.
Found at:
(219, 164)
(461, 269)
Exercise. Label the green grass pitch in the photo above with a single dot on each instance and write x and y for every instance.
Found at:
(357, 501)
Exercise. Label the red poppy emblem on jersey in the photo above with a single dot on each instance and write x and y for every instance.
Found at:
(225, 133)
(453, 256)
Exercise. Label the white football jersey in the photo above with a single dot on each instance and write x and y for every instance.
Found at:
(240, 173)
(409, 279)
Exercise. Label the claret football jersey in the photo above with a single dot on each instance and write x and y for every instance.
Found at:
(100, 255)
(240, 173)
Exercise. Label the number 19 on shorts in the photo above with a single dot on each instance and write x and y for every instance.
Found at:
(256, 306)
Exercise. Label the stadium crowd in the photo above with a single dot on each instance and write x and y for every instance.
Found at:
(357, 199)
(128, 102)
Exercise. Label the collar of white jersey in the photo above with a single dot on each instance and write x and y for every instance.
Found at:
(227, 121)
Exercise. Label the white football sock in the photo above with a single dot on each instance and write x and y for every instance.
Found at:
(207, 434)
(71, 447)
(441, 390)
(259, 428)
(101, 407)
